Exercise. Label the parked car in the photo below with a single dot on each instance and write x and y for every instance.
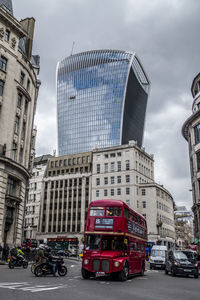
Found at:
(177, 262)
(157, 258)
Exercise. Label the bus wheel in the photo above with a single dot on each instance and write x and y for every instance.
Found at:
(85, 274)
(142, 269)
(123, 274)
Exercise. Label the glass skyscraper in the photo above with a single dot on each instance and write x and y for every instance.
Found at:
(101, 100)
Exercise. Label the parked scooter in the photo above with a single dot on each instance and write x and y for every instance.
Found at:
(46, 269)
(17, 261)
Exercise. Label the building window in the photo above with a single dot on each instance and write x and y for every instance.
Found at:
(127, 191)
(28, 85)
(118, 191)
(112, 192)
(14, 151)
(106, 167)
(105, 193)
(112, 155)
(97, 181)
(198, 160)
(144, 204)
(127, 165)
(197, 133)
(98, 168)
(119, 180)
(7, 35)
(112, 180)
(105, 180)
(119, 154)
(22, 76)
(106, 155)
(97, 193)
(19, 101)
(3, 63)
(143, 192)
(11, 187)
(119, 166)
(127, 178)
(112, 167)
(1, 87)
(16, 126)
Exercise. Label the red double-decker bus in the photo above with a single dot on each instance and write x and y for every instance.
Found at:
(115, 238)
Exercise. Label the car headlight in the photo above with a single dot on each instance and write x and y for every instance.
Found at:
(175, 263)
(86, 262)
(116, 264)
(196, 265)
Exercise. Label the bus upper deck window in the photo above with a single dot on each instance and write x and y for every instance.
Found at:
(113, 212)
(97, 211)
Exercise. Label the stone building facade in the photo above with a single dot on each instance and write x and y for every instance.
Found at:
(121, 172)
(65, 196)
(19, 88)
(191, 132)
(127, 173)
(32, 210)
(156, 204)
(118, 172)
(183, 227)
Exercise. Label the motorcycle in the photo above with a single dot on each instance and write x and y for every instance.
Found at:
(46, 269)
(17, 261)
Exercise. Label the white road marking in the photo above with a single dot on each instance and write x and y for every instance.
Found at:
(72, 266)
(26, 287)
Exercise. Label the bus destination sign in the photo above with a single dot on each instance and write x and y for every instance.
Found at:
(103, 223)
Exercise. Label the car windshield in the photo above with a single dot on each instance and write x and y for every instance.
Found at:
(190, 255)
(180, 255)
(160, 253)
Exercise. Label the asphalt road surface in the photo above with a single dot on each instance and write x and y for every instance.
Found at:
(20, 284)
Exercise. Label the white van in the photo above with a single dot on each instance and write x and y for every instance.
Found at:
(157, 257)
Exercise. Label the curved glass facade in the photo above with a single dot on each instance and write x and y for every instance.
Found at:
(98, 95)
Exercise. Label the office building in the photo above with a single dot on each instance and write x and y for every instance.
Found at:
(101, 100)
(32, 210)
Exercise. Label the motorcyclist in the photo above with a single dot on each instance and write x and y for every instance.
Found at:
(49, 261)
(44, 258)
(20, 254)
(41, 258)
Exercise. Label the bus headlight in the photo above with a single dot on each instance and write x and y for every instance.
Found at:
(86, 262)
(116, 264)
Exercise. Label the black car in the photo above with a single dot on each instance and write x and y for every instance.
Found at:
(177, 262)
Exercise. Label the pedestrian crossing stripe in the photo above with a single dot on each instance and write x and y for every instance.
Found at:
(25, 286)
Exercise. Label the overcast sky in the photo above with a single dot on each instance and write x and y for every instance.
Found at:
(165, 36)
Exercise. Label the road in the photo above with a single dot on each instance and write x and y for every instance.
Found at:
(23, 285)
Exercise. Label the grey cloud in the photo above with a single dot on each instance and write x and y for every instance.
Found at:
(164, 34)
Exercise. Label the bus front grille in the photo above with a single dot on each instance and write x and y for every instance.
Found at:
(105, 265)
(96, 265)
